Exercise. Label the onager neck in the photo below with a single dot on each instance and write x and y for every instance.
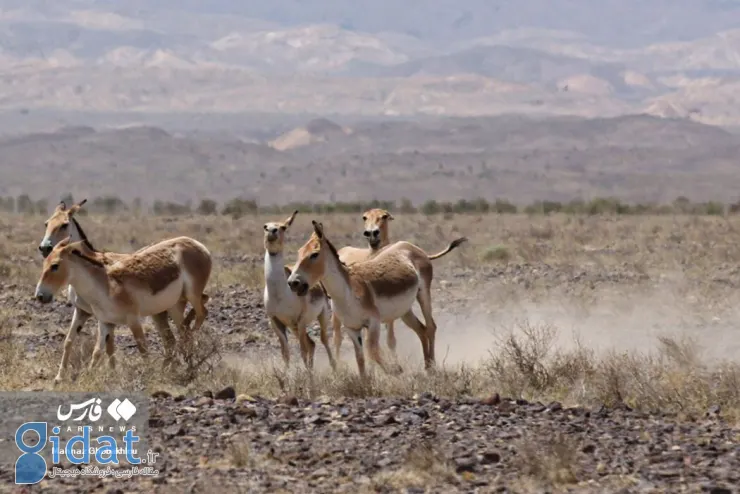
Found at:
(275, 278)
(336, 281)
(88, 280)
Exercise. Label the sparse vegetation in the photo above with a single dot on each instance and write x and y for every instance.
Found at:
(239, 207)
(525, 258)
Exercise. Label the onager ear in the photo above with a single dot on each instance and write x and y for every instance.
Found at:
(60, 207)
(389, 216)
(64, 242)
(290, 219)
(76, 207)
(318, 228)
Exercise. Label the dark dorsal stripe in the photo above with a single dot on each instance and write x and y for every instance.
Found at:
(334, 252)
(84, 238)
(92, 261)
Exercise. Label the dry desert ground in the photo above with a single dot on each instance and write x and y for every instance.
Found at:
(575, 354)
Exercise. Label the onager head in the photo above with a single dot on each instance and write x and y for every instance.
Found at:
(275, 234)
(376, 227)
(56, 270)
(310, 266)
(59, 226)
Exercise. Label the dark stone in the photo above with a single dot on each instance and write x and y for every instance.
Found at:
(490, 457)
(291, 401)
(492, 400)
(228, 393)
(589, 448)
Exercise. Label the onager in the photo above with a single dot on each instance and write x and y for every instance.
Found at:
(150, 281)
(284, 308)
(366, 294)
(61, 225)
(376, 232)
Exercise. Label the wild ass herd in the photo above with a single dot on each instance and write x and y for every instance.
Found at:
(351, 287)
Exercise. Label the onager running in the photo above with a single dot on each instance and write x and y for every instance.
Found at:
(61, 225)
(284, 308)
(372, 292)
(150, 281)
(376, 232)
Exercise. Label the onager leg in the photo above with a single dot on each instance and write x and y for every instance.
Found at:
(105, 333)
(356, 336)
(164, 330)
(336, 327)
(282, 333)
(191, 313)
(109, 349)
(414, 323)
(373, 336)
(197, 300)
(138, 333)
(391, 337)
(424, 298)
(308, 347)
(324, 326)
(79, 318)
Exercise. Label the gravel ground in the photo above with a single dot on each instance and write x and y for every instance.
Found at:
(422, 444)
(250, 444)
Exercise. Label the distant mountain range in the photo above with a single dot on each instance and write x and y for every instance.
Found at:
(671, 58)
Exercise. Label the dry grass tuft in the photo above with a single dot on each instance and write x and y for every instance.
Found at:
(239, 453)
(425, 465)
(549, 460)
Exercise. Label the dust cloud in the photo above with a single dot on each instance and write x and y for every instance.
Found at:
(608, 320)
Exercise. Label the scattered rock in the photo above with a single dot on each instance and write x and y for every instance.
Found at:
(713, 411)
(490, 457)
(203, 401)
(492, 400)
(321, 472)
(161, 395)
(290, 400)
(466, 464)
(228, 393)
(174, 431)
(155, 422)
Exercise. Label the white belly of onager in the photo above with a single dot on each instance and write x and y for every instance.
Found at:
(391, 309)
(149, 304)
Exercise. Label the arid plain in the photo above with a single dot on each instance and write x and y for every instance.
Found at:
(585, 353)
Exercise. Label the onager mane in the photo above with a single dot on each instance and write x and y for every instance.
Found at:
(366, 294)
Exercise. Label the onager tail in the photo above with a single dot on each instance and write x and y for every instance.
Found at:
(453, 244)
